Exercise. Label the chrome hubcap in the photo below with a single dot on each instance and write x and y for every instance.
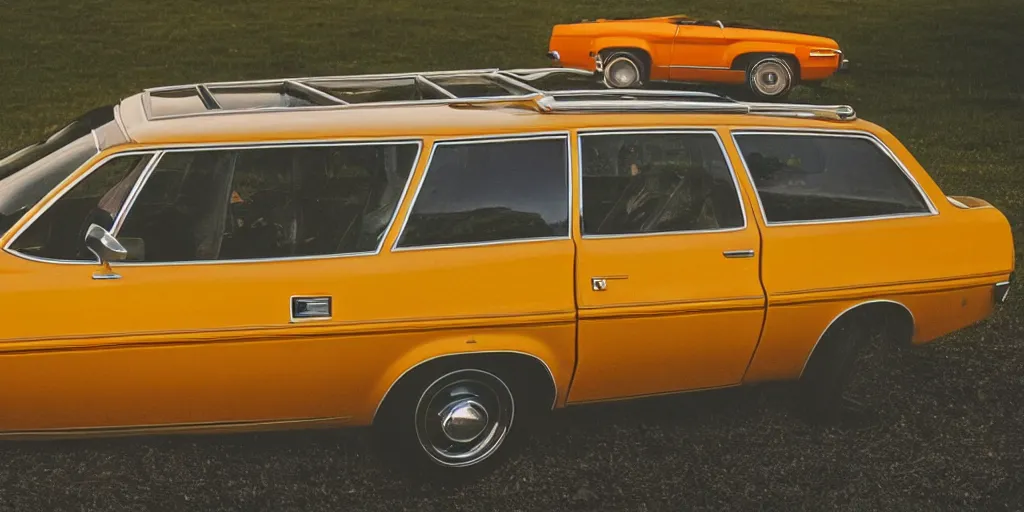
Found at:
(463, 421)
(463, 417)
(622, 72)
(771, 78)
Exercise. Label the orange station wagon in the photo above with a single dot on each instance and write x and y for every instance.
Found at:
(446, 255)
(627, 53)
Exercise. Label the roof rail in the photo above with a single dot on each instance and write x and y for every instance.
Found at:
(472, 87)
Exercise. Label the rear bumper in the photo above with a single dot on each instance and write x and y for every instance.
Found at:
(553, 55)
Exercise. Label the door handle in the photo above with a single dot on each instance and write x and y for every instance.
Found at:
(310, 308)
(600, 284)
(747, 253)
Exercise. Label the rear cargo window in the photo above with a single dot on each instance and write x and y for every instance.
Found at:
(812, 177)
(491, 191)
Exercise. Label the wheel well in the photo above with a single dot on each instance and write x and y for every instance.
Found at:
(894, 320)
(640, 53)
(743, 60)
(527, 373)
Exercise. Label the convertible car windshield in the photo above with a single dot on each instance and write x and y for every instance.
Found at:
(28, 174)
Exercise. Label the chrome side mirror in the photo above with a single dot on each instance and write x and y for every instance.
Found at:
(106, 248)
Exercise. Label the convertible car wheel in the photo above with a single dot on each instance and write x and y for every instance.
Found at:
(449, 424)
(770, 78)
(623, 71)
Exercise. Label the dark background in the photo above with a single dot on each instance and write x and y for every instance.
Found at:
(946, 429)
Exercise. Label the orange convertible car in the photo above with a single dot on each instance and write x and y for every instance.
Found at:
(629, 52)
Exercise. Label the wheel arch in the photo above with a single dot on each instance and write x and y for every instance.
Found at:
(535, 367)
(899, 322)
(640, 48)
(741, 60)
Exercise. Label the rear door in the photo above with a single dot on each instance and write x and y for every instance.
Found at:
(667, 272)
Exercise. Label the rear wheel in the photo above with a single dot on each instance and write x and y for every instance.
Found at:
(623, 70)
(450, 422)
(837, 377)
(770, 78)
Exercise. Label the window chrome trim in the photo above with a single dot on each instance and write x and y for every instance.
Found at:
(491, 139)
(852, 134)
(163, 149)
(583, 132)
(67, 188)
(134, 193)
(913, 325)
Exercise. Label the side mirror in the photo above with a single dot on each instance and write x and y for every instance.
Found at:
(106, 248)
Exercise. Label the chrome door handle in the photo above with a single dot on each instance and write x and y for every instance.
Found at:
(310, 308)
(600, 284)
(747, 253)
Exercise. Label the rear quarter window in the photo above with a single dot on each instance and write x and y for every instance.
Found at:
(813, 177)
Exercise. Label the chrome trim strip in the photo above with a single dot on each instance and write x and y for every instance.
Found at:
(331, 78)
(238, 146)
(321, 108)
(315, 92)
(65, 187)
(134, 193)
(748, 253)
(95, 140)
(958, 204)
(207, 96)
(516, 83)
(170, 427)
(489, 139)
(717, 68)
(551, 374)
(855, 134)
(438, 88)
(583, 132)
(913, 327)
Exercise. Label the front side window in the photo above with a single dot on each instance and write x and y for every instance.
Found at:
(268, 202)
(475, 192)
(59, 232)
(809, 177)
(636, 183)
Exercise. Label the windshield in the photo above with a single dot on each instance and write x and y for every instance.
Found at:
(30, 173)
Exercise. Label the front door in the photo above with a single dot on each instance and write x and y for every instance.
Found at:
(668, 284)
(698, 50)
(244, 267)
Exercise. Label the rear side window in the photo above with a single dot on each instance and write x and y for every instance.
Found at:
(476, 192)
(808, 177)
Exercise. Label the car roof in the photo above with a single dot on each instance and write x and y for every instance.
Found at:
(465, 103)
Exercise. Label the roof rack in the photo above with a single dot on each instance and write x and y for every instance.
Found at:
(458, 88)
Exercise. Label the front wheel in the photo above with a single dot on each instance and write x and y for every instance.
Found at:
(770, 78)
(452, 423)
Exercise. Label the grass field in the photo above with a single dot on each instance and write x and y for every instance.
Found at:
(948, 427)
